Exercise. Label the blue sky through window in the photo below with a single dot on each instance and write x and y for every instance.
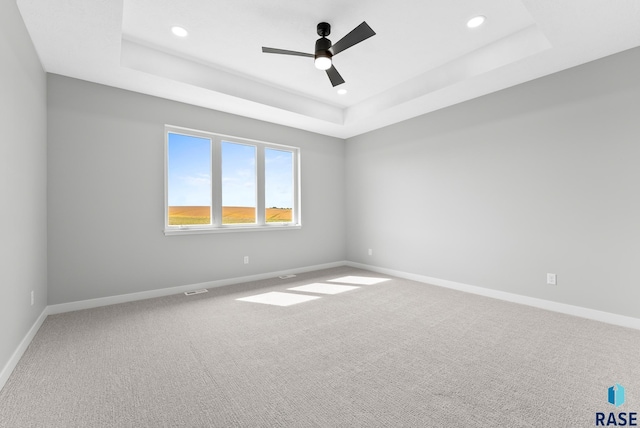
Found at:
(278, 178)
(238, 175)
(189, 174)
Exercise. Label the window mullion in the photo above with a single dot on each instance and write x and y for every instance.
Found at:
(216, 182)
(260, 219)
(296, 188)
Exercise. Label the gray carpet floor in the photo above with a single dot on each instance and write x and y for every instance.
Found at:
(394, 354)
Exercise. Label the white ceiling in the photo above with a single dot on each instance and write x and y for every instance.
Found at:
(422, 58)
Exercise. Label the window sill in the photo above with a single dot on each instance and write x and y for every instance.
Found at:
(228, 229)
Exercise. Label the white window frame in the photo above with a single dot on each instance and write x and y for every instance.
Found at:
(216, 225)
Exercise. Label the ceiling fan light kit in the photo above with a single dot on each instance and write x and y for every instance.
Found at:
(325, 51)
(322, 62)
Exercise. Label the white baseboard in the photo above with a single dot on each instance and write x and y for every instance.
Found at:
(24, 344)
(131, 297)
(592, 314)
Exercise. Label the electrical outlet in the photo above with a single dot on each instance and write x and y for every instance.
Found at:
(551, 279)
(33, 297)
(246, 260)
(370, 252)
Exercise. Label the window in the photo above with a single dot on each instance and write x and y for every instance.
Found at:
(216, 183)
(188, 180)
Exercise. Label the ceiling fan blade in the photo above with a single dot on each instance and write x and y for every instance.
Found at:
(358, 34)
(334, 76)
(285, 52)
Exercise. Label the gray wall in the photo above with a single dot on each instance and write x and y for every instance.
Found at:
(23, 171)
(496, 192)
(106, 197)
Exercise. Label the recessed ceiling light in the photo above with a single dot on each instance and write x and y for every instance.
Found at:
(342, 91)
(476, 21)
(179, 31)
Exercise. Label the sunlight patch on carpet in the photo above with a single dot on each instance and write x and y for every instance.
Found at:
(278, 299)
(360, 280)
(321, 288)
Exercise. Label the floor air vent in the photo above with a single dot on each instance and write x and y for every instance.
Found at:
(191, 293)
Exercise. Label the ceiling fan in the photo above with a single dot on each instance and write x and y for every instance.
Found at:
(325, 50)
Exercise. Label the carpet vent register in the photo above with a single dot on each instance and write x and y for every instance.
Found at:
(194, 292)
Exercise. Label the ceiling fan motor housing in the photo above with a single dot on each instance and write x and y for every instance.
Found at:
(322, 47)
